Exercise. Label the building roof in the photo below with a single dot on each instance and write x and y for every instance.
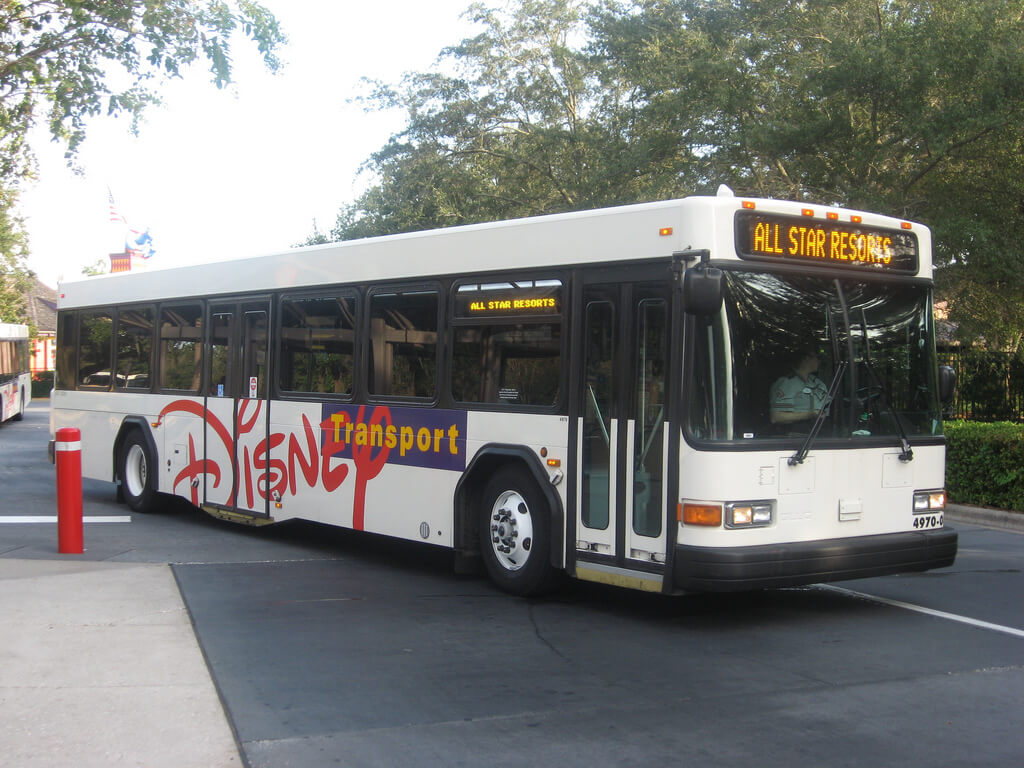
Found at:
(41, 306)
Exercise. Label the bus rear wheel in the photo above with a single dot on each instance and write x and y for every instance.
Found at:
(515, 533)
(137, 471)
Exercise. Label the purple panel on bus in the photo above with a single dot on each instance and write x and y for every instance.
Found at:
(415, 437)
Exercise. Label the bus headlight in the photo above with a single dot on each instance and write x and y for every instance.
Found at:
(929, 501)
(749, 514)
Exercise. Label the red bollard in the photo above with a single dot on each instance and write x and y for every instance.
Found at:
(68, 450)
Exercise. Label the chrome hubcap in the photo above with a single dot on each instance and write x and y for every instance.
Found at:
(135, 470)
(511, 530)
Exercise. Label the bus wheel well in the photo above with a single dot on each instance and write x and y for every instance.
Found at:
(469, 496)
(128, 426)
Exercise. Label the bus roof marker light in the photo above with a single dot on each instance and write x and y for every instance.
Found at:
(856, 219)
(832, 216)
(807, 211)
(749, 205)
(665, 231)
(906, 225)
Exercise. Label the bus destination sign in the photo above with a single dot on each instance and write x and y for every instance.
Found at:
(508, 305)
(542, 297)
(825, 243)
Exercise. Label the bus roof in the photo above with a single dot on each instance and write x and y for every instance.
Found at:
(631, 232)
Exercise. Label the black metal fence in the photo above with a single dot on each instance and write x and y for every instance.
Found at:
(990, 385)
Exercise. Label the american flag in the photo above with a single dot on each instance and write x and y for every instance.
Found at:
(116, 217)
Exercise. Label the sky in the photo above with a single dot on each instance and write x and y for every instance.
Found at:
(220, 174)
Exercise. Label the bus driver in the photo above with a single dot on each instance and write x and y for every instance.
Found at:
(800, 396)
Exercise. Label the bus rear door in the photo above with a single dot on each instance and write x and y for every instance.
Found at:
(237, 406)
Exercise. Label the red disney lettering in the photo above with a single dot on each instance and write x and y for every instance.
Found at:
(197, 468)
(308, 466)
(274, 474)
(368, 464)
(331, 479)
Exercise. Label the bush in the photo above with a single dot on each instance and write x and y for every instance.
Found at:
(985, 464)
(42, 383)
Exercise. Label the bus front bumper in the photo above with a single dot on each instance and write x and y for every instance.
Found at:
(735, 569)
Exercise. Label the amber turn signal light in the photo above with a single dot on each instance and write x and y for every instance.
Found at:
(701, 514)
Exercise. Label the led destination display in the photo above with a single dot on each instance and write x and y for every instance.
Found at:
(827, 243)
(529, 297)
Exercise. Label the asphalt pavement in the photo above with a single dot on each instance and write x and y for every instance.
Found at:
(100, 664)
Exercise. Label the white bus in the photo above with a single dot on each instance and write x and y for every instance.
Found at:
(593, 393)
(15, 378)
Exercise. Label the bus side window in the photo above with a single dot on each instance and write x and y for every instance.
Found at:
(403, 343)
(67, 323)
(181, 347)
(508, 343)
(134, 348)
(95, 348)
(318, 344)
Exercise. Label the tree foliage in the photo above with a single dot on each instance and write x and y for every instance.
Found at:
(63, 62)
(513, 130)
(14, 280)
(911, 107)
(74, 59)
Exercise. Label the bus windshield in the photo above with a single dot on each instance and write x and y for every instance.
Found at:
(785, 349)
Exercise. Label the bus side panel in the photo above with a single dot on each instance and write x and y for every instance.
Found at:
(392, 469)
(532, 431)
(179, 438)
(303, 481)
(8, 399)
(385, 469)
(92, 413)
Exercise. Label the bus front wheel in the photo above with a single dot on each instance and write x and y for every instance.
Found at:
(515, 534)
(137, 471)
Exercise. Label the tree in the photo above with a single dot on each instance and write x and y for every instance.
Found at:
(63, 62)
(14, 281)
(912, 107)
(518, 128)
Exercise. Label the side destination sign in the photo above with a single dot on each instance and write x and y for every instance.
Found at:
(825, 243)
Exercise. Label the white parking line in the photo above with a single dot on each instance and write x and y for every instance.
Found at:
(53, 519)
(927, 611)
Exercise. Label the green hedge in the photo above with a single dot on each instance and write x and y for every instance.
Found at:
(42, 383)
(985, 464)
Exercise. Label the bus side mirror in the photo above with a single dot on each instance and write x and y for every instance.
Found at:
(947, 384)
(702, 290)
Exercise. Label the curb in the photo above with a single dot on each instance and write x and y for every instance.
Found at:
(990, 518)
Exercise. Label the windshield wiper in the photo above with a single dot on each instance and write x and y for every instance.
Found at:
(799, 456)
(837, 377)
(906, 453)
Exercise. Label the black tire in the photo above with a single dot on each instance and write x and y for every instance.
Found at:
(137, 472)
(515, 533)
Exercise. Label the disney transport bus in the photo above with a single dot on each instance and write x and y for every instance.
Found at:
(588, 393)
(15, 377)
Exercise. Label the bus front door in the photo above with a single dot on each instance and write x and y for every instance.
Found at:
(621, 434)
(237, 406)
